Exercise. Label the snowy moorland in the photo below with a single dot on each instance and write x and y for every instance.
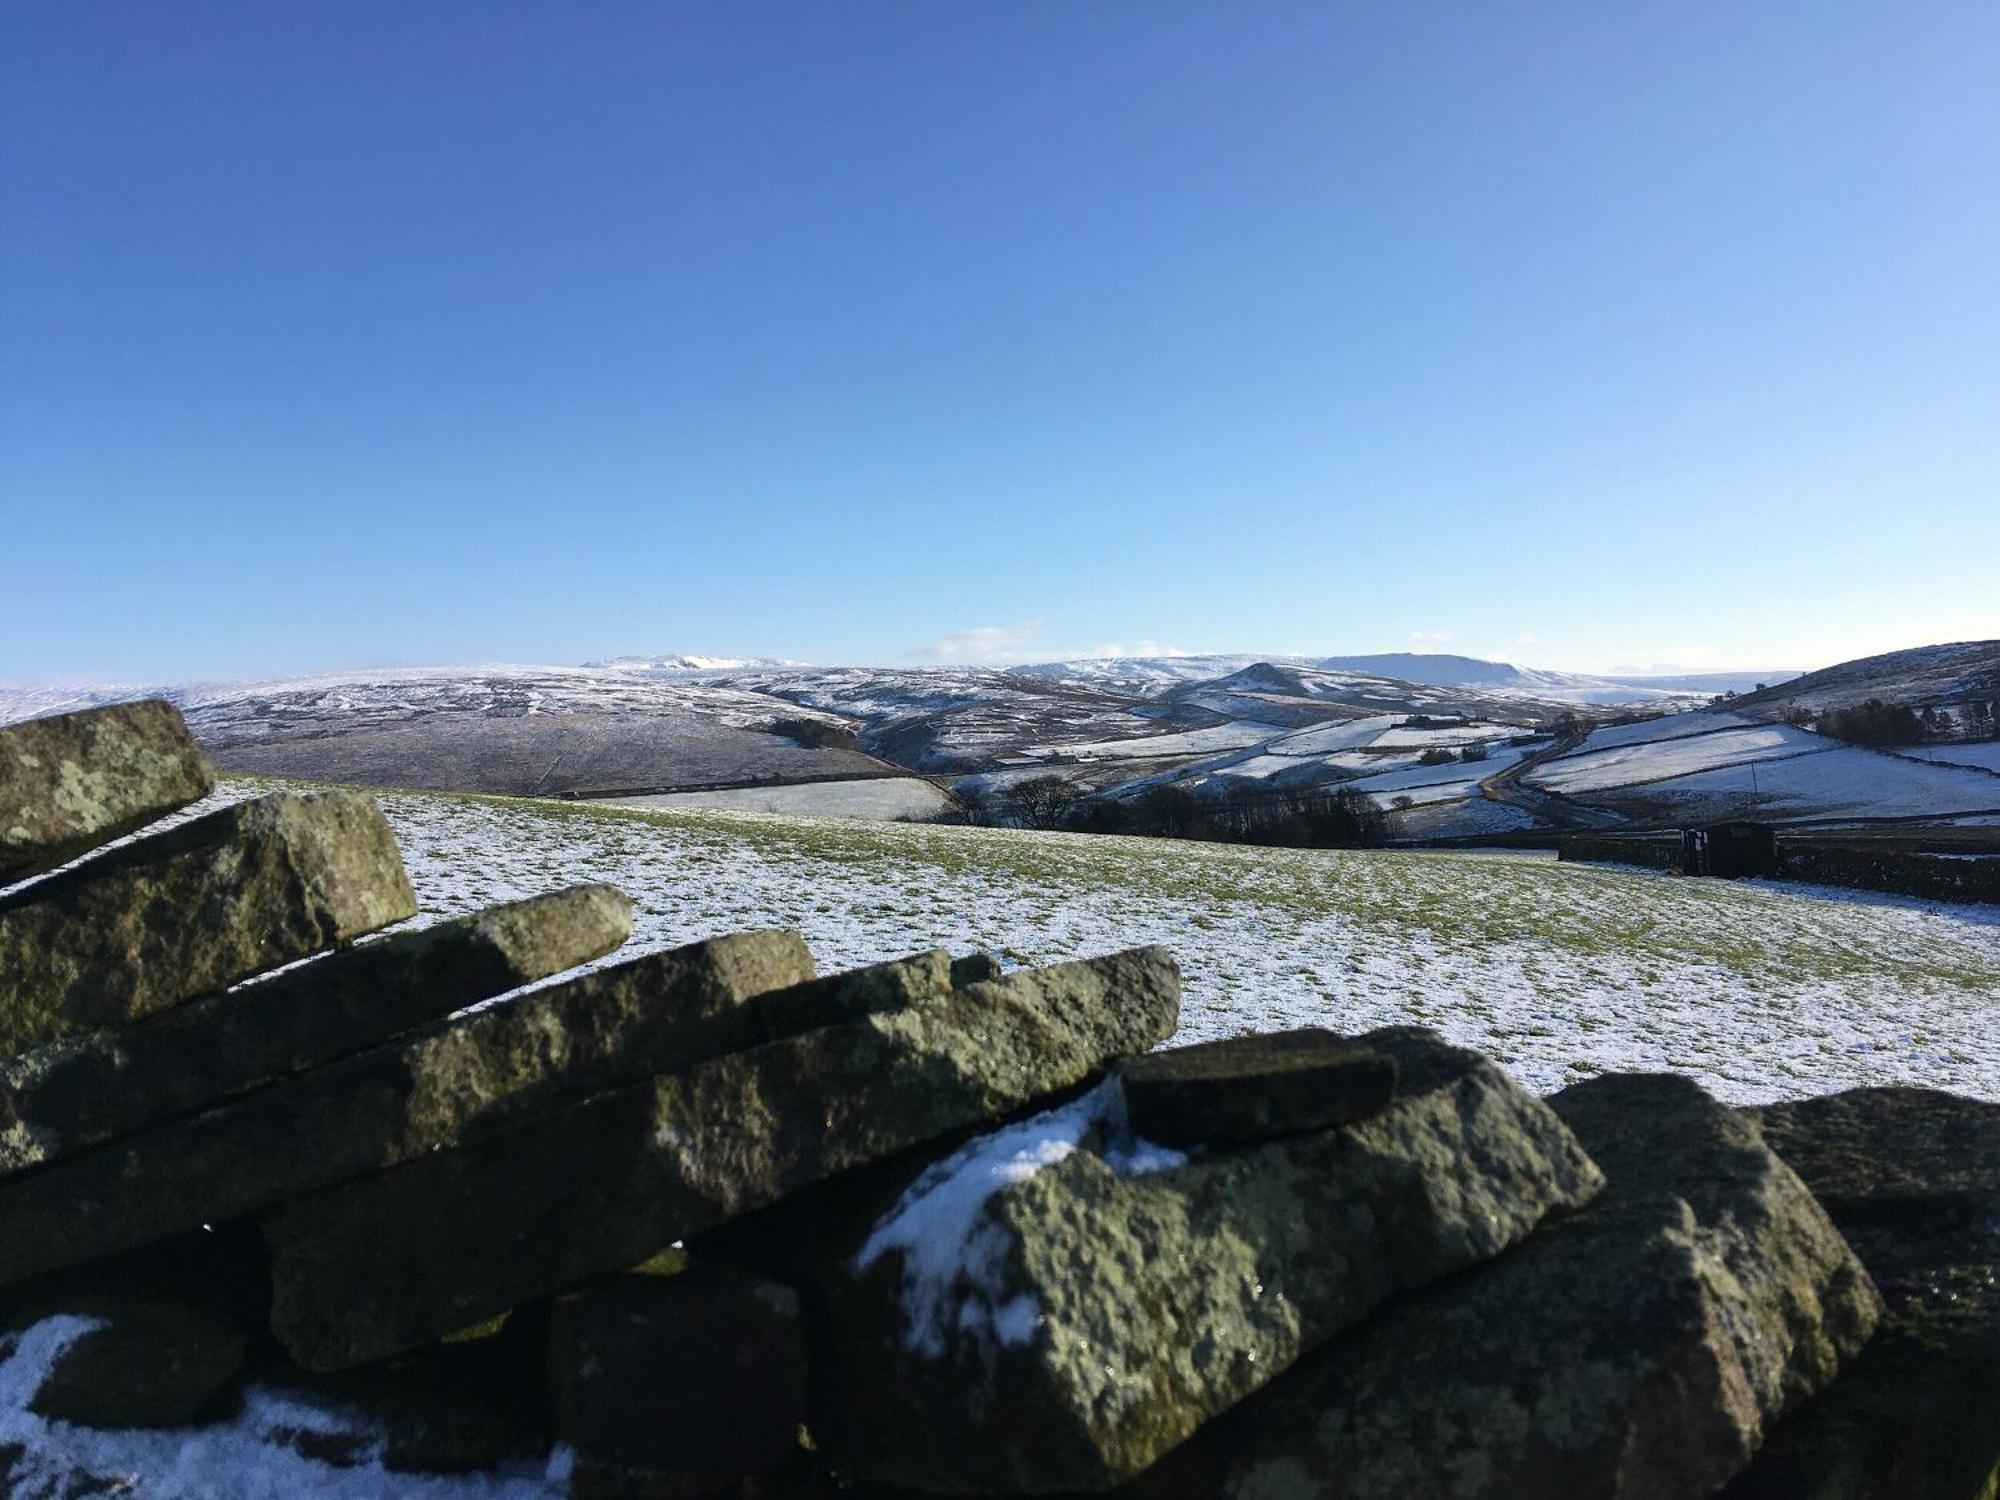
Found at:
(737, 732)
(1760, 991)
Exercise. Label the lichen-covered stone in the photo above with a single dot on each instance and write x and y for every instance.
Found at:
(88, 1089)
(150, 1362)
(393, 1261)
(675, 1386)
(182, 913)
(1640, 1348)
(1912, 1177)
(1254, 1088)
(73, 781)
(541, 1050)
(1094, 1313)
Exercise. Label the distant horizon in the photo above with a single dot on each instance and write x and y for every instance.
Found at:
(909, 662)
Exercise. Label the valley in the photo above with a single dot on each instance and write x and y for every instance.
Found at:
(1449, 749)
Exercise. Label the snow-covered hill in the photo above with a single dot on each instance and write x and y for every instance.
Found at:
(1944, 676)
(1151, 676)
(661, 666)
(1458, 747)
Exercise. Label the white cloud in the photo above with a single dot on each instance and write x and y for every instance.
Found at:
(984, 644)
(1422, 638)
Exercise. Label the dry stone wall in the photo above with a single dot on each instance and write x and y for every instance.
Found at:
(704, 1223)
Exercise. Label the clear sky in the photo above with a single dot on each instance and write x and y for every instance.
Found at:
(1589, 336)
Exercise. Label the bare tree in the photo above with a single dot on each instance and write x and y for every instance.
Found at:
(1040, 801)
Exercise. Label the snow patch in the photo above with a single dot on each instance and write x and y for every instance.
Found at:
(953, 1258)
(246, 1458)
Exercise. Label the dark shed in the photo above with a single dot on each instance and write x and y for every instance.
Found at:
(1730, 850)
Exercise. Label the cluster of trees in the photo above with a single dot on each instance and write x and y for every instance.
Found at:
(1875, 723)
(1889, 724)
(1298, 818)
(1437, 755)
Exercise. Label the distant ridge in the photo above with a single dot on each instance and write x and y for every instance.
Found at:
(659, 664)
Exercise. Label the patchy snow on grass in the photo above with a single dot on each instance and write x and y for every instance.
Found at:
(1671, 726)
(250, 1457)
(952, 1258)
(1324, 738)
(873, 797)
(1658, 760)
(1450, 736)
(1843, 781)
(1216, 738)
(1984, 756)
(1557, 970)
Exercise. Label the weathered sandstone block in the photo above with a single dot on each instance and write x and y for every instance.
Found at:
(74, 781)
(192, 910)
(1912, 1176)
(1641, 1348)
(541, 1050)
(1255, 1088)
(1059, 1303)
(675, 1386)
(393, 1261)
(145, 1362)
(88, 1089)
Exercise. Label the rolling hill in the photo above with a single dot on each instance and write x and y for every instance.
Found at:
(1456, 748)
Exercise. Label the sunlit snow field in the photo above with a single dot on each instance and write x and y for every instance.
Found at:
(1758, 990)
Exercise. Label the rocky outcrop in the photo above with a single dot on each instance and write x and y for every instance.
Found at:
(1641, 1348)
(542, 1050)
(673, 1387)
(392, 1261)
(1057, 1305)
(183, 913)
(1912, 1177)
(72, 782)
(85, 1090)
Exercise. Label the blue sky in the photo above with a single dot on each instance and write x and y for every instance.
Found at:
(1589, 336)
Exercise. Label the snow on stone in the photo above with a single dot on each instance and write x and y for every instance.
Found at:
(952, 1260)
(245, 1458)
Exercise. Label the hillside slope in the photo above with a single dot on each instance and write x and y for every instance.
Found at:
(1943, 676)
(1444, 759)
(1559, 970)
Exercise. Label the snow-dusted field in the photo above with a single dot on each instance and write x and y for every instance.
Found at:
(1984, 756)
(1658, 759)
(1760, 991)
(875, 797)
